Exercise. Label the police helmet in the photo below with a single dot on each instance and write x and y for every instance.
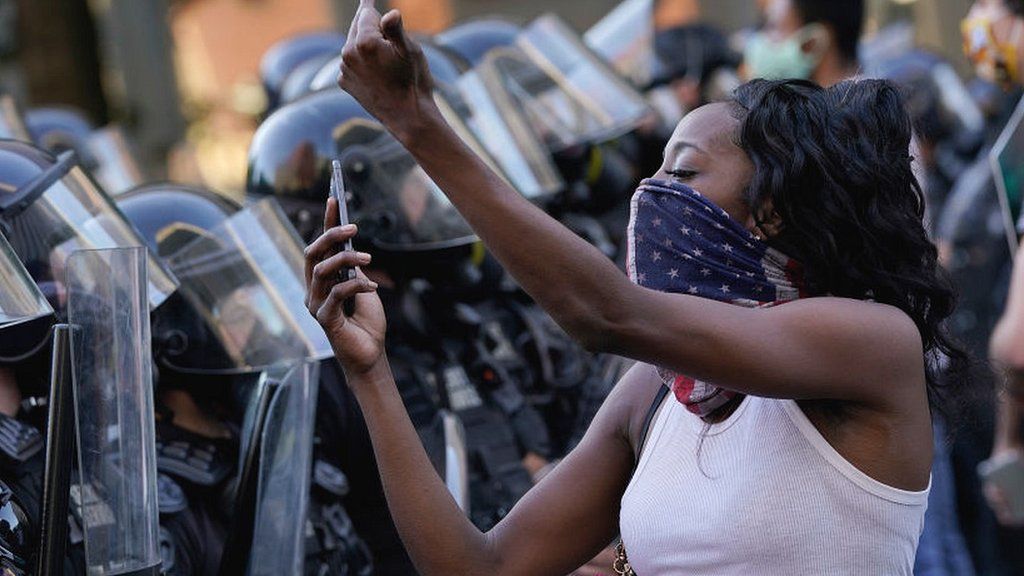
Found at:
(473, 39)
(398, 208)
(239, 308)
(50, 208)
(285, 56)
(57, 129)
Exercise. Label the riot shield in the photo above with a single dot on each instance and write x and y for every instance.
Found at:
(625, 39)
(286, 457)
(116, 495)
(272, 496)
(1007, 161)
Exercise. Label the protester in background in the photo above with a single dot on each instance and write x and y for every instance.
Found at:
(807, 39)
(994, 41)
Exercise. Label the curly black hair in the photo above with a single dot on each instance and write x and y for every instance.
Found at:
(833, 178)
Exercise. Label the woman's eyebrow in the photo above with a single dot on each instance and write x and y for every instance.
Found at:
(681, 145)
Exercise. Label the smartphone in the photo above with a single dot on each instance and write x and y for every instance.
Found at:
(1007, 473)
(338, 191)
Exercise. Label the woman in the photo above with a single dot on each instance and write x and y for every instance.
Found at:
(809, 453)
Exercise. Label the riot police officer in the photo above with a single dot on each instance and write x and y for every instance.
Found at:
(49, 209)
(231, 321)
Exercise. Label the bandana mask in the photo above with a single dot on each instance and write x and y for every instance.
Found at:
(994, 61)
(683, 243)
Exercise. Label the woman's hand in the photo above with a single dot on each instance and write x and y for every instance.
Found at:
(358, 340)
(385, 70)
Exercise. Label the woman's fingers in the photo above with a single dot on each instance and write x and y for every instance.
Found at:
(332, 305)
(328, 243)
(394, 31)
(325, 275)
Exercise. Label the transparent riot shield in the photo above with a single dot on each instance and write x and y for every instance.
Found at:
(285, 468)
(1007, 160)
(116, 495)
(625, 39)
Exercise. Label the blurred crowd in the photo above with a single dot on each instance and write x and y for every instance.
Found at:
(255, 458)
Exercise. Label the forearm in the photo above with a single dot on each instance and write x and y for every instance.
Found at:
(436, 533)
(569, 278)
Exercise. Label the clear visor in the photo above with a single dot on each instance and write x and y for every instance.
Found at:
(509, 138)
(116, 169)
(399, 206)
(568, 93)
(625, 39)
(113, 384)
(245, 279)
(20, 298)
(72, 214)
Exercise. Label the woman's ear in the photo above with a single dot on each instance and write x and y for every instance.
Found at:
(764, 223)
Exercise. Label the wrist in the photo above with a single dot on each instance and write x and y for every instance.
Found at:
(412, 128)
(374, 376)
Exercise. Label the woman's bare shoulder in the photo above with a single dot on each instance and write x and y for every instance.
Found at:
(628, 403)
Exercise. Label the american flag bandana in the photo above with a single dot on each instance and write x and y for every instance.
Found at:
(681, 242)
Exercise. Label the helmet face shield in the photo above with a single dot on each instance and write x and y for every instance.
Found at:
(625, 39)
(568, 94)
(488, 110)
(396, 203)
(244, 279)
(57, 211)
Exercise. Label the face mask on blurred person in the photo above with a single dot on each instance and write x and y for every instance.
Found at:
(776, 59)
(993, 60)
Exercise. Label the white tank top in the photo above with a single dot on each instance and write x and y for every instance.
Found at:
(764, 494)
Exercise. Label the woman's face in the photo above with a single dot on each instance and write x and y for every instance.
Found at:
(702, 155)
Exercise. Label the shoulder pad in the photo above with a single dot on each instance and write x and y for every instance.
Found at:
(193, 459)
(19, 441)
(330, 479)
(171, 498)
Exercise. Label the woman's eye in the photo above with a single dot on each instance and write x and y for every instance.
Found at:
(682, 174)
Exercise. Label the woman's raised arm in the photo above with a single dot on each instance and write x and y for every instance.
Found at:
(384, 69)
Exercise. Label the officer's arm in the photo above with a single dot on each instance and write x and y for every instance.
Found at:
(558, 526)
